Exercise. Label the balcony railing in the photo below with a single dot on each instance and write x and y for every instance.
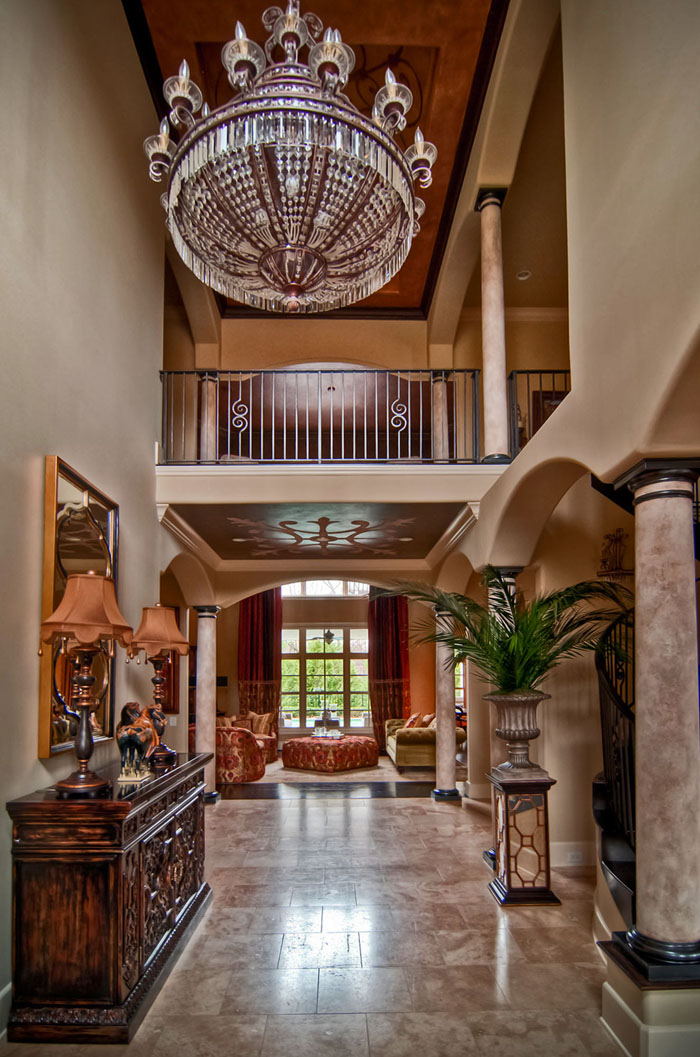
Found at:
(532, 397)
(320, 416)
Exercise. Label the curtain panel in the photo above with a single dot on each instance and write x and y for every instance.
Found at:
(260, 654)
(389, 679)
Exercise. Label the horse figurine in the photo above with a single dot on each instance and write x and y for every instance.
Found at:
(137, 736)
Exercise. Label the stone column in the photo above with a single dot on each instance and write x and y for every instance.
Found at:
(667, 738)
(205, 739)
(207, 422)
(441, 443)
(493, 328)
(446, 732)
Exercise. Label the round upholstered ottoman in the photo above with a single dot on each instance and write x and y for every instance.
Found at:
(239, 758)
(330, 754)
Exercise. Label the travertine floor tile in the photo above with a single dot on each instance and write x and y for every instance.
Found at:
(320, 949)
(469, 989)
(362, 991)
(400, 948)
(319, 1036)
(272, 991)
(424, 1034)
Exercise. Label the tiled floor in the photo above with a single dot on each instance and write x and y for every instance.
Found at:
(364, 928)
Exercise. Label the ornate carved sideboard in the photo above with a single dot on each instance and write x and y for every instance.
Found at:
(103, 892)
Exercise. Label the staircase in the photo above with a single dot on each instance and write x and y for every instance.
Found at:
(613, 789)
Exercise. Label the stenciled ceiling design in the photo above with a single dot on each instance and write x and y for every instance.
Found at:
(320, 531)
(443, 50)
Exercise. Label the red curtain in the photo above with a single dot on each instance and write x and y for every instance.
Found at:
(389, 680)
(260, 654)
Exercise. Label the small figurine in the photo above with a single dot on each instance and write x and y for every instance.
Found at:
(136, 737)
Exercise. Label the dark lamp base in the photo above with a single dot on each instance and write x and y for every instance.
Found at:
(82, 783)
(522, 897)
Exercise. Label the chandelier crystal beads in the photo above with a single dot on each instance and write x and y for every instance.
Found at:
(287, 198)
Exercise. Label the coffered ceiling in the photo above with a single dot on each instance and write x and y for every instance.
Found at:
(444, 50)
(321, 531)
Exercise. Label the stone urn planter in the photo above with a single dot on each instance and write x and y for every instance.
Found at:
(517, 726)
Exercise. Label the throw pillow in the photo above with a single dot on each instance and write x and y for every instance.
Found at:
(225, 721)
(433, 724)
(412, 721)
(262, 722)
(427, 720)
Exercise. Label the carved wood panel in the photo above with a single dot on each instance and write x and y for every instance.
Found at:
(157, 888)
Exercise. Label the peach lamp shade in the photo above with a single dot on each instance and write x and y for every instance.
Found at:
(158, 633)
(87, 613)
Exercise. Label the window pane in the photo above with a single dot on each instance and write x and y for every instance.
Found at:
(290, 666)
(292, 590)
(290, 641)
(324, 588)
(290, 684)
(289, 711)
(359, 640)
(354, 587)
(359, 683)
(359, 666)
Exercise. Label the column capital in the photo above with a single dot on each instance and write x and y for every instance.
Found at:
(509, 571)
(490, 196)
(206, 611)
(658, 471)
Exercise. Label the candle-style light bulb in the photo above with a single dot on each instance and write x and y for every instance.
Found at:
(418, 139)
(240, 31)
(328, 36)
(205, 110)
(337, 37)
(389, 78)
(184, 71)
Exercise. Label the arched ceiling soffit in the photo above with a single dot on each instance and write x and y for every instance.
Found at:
(511, 522)
(194, 580)
(444, 50)
(454, 573)
(232, 589)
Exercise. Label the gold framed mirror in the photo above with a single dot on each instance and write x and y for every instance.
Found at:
(81, 532)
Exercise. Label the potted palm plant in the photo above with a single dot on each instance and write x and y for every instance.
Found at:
(514, 643)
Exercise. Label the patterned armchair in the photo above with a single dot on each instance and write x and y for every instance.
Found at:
(239, 757)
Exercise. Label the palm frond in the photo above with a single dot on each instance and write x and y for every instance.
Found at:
(514, 644)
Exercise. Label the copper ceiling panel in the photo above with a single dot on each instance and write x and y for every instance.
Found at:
(320, 531)
(443, 50)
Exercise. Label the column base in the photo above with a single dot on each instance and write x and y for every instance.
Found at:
(213, 797)
(647, 1019)
(654, 961)
(446, 794)
(497, 457)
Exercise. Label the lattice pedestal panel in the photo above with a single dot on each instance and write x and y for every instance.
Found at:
(522, 874)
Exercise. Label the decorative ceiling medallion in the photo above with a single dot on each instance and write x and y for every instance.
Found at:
(322, 537)
(288, 198)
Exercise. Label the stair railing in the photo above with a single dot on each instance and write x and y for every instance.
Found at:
(615, 665)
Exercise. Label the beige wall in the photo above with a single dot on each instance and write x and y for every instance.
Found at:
(531, 345)
(568, 551)
(81, 304)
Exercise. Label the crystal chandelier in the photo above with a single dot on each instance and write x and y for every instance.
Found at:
(287, 198)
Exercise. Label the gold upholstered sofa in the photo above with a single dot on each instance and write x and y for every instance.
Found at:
(414, 746)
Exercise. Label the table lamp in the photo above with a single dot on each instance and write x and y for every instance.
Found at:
(157, 635)
(86, 617)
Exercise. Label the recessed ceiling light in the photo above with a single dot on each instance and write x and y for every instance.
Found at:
(405, 539)
(239, 539)
(523, 275)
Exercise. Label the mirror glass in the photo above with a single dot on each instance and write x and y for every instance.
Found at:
(80, 535)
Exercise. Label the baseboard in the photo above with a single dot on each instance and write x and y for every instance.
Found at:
(5, 1004)
(572, 853)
